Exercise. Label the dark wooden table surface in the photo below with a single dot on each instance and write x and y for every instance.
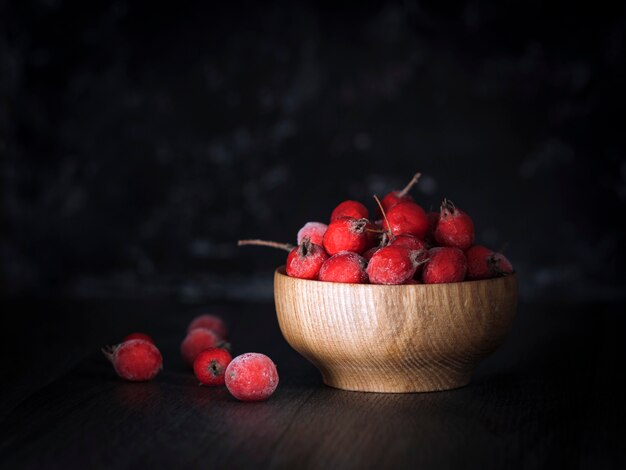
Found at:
(551, 397)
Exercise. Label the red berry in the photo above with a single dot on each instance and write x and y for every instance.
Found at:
(392, 264)
(407, 218)
(345, 267)
(305, 261)
(136, 360)
(197, 341)
(409, 241)
(415, 244)
(210, 366)
(445, 264)
(395, 197)
(455, 228)
(210, 322)
(138, 335)
(483, 263)
(347, 234)
(251, 377)
(353, 209)
(314, 231)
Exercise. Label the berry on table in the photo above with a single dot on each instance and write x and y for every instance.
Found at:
(345, 266)
(314, 231)
(445, 264)
(210, 322)
(353, 209)
(455, 228)
(198, 340)
(393, 264)
(347, 234)
(136, 360)
(483, 263)
(251, 377)
(210, 365)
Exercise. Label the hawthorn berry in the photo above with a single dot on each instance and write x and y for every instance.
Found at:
(136, 360)
(210, 365)
(314, 231)
(345, 266)
(394, 197)
(305, 261)
(415, 244)
(353, 209)
(406, 217)
(393, 264)
(347, 234)
(483, 263)
(445, 264)
(196, 341)
(455, 228)
(251, 377)
(138, 335)
(210, 322)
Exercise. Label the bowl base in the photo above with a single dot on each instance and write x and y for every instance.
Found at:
(433, 381)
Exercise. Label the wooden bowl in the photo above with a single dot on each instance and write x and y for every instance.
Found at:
(408, 338)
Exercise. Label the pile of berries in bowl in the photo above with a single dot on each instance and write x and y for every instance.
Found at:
(379, 304)
(406, 245)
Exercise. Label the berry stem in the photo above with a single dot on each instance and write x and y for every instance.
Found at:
(410, 184)
(385, 217)
(280, 246)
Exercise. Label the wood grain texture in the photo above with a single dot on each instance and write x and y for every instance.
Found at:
(409, 338)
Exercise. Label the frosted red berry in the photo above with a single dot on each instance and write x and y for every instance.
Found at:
(353, 209)
(210, 322)
(392, 264)
(347, 234)
(196, 341)
(409, 241)
(344, 267)
(413, 243)
(314, 231)
(407, 218)
(251, 377)
(210, 366)
(395, 197)
(445, 264)
(136, 360)
(305, 260)
(483, 263)
(138, 335)
(455, 228)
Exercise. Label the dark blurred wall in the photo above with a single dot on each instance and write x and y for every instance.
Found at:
(139, 142)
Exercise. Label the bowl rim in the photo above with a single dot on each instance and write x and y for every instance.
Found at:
(280, 271)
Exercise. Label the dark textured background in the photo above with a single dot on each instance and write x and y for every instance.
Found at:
(139, 142)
